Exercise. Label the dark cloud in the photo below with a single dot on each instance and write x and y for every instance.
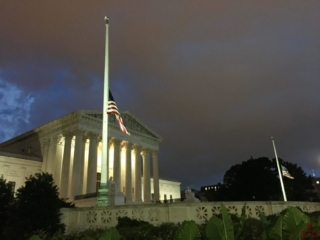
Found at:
(215, 79)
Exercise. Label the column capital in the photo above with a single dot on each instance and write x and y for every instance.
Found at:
(59, 139)
(79, 132)
(145, 150)
(154, 152)
(92, 135)
(115, 141)
(137, 147)
(68, 135)
(126, 144)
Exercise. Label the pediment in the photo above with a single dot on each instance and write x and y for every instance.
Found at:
(131, 122)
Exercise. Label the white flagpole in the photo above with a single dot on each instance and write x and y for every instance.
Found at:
(279, 171)
(103, 189)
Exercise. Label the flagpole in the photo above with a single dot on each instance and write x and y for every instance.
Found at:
(279, 171)
(103, 189)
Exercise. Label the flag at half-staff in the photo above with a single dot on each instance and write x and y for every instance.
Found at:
(113, 109)
(279, 171)
(286, 173)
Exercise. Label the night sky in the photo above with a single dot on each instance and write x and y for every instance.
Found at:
(215, 79)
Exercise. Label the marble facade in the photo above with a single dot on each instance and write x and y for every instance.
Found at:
(70, 149)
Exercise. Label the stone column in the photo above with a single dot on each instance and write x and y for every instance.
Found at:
(64, 187)
(128, 183)
(116, 162)
(52, 155)
(83, 175)
(110, 161)
(76, 185)
(58, 162)
(137, 183)
(92, 164)
(155, 176)
(146, 176)
(45, 150)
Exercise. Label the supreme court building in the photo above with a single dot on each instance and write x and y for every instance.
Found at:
(70, 149)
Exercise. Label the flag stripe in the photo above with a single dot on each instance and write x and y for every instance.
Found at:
(286, 173)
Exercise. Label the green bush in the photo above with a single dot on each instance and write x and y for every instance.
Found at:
(35, 208)
(6, 198)
(291, 225)
(252, 229)
(132, 229)
(314, 216)
(165, 230)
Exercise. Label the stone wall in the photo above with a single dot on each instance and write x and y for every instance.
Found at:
(15, 168)
(84, 218)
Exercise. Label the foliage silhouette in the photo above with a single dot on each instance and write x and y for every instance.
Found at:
(257, 180)
(36, 207)
(6, 197)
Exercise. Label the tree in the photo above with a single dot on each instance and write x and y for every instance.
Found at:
(36, 207)
(300, 188)
(6, 197)
(257, 180)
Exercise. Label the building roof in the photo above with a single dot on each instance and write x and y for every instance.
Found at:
(17, 154)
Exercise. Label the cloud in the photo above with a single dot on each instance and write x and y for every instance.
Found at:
(215, 79)
(15, 105)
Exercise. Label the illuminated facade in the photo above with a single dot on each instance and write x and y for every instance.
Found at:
(70, 149)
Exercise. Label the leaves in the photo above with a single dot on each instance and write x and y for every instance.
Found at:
(37, 206)
(257, 180)
(188, 231)
(214, 228)
(242, 220)
(111, 234)
(217, 229)
(292, 218)
(227, 224)
(34, 237)
(6, 197)
(265, 223)
(276, 231)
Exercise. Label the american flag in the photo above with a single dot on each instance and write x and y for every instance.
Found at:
(286, 173)
(113, 109)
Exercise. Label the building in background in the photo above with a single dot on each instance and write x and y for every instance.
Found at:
(316, 184)
(70, 149)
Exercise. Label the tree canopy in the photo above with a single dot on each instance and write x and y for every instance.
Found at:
(6, 197)
(258, 180)
(36, 207)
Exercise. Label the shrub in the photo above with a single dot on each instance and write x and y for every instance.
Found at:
(132, 229)
(36, 207)
(6, 197)
(252, 229)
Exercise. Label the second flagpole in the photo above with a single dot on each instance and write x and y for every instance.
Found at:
(279, 171)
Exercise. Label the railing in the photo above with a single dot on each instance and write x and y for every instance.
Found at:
(83, 218)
